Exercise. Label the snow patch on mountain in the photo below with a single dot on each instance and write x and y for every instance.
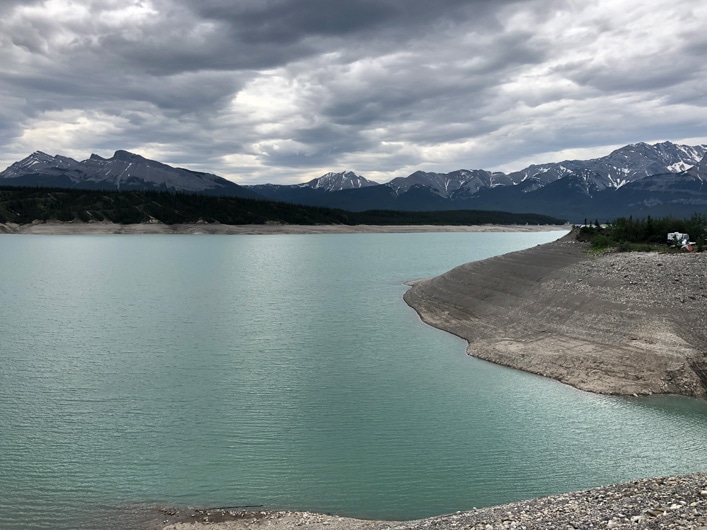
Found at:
(345, 180)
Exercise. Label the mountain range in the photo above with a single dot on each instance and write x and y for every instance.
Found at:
(123, 171)
(637, 179)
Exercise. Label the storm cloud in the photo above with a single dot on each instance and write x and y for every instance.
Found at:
(286, 90)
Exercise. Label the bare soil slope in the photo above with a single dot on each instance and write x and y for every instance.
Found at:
(630, 323)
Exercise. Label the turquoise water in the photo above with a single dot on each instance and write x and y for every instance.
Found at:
(284, 372)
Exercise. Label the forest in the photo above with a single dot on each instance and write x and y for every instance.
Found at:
(627, 233)
(23, 205)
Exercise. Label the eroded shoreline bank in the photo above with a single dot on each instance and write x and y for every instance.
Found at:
(213, 228)
(618, 323)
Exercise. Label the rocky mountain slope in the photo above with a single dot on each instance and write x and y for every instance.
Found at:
(316, 190)
(123, 171)
(346, 180)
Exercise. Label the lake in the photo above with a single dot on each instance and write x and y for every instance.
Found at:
(283, 371)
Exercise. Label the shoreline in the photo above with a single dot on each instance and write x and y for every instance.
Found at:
(211, 228)
(471, 301)
(663, 502)
(618, 323)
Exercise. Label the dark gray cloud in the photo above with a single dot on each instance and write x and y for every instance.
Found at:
(285, 90)
(288, 21)
(284, 23)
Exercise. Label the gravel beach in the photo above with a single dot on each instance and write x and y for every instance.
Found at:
(665, 503)
(612, 323)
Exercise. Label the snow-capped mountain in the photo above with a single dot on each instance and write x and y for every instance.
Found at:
(346, 180)
(662, 179)
(311, 192)
(449, 185)
(123, 171)
(627, 164)
(572, 189)
(677, 194)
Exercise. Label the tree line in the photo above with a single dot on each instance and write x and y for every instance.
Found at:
(643, 234)
(23, 205)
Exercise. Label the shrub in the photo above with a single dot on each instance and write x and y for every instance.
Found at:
(601, 241)
(624, 246)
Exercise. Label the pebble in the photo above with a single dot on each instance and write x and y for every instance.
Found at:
(664, 502)
(647, 504)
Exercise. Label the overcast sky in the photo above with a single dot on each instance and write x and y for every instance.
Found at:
(286, 90)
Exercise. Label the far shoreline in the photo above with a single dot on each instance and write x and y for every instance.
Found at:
(72, 228)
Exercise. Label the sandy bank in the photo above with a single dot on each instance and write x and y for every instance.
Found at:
(669, 502)
(630, 323)
(159, 228)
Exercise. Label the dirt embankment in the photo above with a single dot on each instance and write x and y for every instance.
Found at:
(619, 323)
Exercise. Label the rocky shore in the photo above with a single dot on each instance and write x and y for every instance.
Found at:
(665, 503)
(614, 323)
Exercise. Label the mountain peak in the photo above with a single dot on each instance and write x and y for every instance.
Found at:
(344, 180)
(126, 155)
(445, 185)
